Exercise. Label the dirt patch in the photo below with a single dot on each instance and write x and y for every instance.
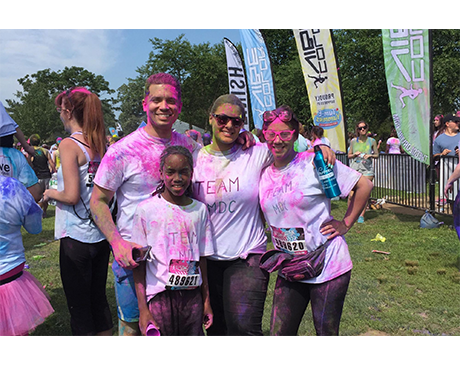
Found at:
(374, 333)
(403, 210)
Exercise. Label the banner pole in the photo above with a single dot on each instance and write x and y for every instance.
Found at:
(432, 191)
(271, 67)
(345, 122)
(234, 60)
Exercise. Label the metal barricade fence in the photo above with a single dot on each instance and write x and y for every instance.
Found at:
(444, 204)
(402, 180)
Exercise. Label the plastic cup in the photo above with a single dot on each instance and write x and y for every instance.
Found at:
(151, 330)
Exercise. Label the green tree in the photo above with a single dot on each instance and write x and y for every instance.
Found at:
(446, 66)
(35, 111)
(359, 54)
(290, 88)
(201, 70)
(130, 96)
(362, 71)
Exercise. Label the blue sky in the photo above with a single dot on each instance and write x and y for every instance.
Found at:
(114, 53)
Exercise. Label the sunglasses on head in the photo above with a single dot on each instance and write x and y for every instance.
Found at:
(271, 115)
(68, 93)
(222, 120)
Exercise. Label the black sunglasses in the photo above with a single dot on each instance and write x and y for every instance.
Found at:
(362, 128)
(223, 119)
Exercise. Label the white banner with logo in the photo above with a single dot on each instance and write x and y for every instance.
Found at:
(236, 78)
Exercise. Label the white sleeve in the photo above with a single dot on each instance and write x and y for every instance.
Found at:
(139, 234)
(346, 178)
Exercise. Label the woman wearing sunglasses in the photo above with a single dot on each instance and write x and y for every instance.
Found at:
(361, 151)
(226, 178)
(299, 215)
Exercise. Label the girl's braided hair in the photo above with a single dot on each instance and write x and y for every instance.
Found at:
(169, 151)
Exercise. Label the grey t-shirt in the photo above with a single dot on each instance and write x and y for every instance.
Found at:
(444, 141)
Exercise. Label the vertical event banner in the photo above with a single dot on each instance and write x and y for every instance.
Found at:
(236, 78)
(259, 74)
(407, 69)
(316, 53)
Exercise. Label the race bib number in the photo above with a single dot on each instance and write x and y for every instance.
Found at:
(183, 275)
(290, 240)
(92, 169)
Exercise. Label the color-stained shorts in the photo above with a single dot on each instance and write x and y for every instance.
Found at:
(364, 167)
(125, 292)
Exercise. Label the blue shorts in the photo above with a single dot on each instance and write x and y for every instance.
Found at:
(125, 292)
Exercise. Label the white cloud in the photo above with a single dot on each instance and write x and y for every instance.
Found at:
(25, 52)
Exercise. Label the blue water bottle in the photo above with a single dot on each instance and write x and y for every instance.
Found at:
(326, 175)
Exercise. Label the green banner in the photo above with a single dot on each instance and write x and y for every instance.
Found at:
(407, 69)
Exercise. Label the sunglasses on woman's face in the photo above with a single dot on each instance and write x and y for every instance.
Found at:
(362, 128)
(283, 135)
(222, 120)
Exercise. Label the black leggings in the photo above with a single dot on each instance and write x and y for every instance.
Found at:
(84, 277)
(291, 299)
(237, 290)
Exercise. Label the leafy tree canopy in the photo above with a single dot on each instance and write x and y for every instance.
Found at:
(201, 69)
(35, 111)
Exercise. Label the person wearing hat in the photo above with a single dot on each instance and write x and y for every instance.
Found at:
(12, 161)
(444, 144)
(8, 127)
(447, 144)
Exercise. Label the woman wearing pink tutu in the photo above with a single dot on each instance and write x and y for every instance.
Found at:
(24, 303)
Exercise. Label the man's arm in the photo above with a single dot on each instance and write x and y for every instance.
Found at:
(36, 191)
(99, 205)
(51, 164)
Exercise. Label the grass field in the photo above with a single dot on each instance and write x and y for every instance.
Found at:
(413, 291)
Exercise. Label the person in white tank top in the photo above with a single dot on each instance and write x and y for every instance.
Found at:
(84, 251)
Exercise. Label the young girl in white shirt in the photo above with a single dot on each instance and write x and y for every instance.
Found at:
(299, 215)
(171, 285)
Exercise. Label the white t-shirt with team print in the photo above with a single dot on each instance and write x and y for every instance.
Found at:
(295, 206)
(228, 183)
(178, 235)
